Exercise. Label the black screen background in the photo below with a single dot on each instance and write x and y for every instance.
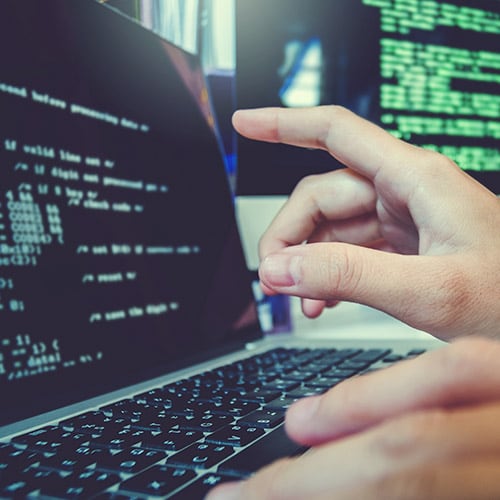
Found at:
(82, 52)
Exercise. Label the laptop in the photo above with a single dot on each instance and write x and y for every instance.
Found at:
(132, 364)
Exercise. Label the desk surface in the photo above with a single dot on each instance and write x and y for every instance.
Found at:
(351, 321)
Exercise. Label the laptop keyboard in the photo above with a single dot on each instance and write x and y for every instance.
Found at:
(179, 440)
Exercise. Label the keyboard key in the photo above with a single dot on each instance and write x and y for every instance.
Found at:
(13, 460)
(94, 422)
(209, 423)
(124, 438)
(265, 419)
(89, 451)
(342, 374)
(237, 408)
(300, 375)
(276, 444)
(199, 488)
(263, 396)
(172, 440)
(392, 358)
(158, 481)
(130, 461)
(282, 385)
(73, 460)
(336, 373)
(79, 485)
(415, 352)
(371, 355)
(50, 439)
(200, 456)
(305, 392)
(16, 488)
(161, 422)
(324, 382)
(130, 408)
(115, 496)
(281, 404)
(356, 366)
(235, 435)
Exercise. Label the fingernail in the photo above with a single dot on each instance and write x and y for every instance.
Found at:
(281, 269)
(227, 491)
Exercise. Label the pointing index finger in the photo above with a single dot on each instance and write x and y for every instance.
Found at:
(354, 141)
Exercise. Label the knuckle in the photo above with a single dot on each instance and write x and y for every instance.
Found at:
(342, 272)
(451, 298)
(430, 165)
(434, 161)
(334, 114)
(442, 161)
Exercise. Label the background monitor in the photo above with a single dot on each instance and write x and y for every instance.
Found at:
(429, 72)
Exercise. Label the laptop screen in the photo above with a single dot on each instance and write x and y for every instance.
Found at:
(119, 254)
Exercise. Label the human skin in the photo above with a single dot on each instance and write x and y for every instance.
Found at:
(406, 231)
(421, 429)
(400, 229)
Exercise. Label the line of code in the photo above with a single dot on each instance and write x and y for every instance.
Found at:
(443, 97)
(45, 184)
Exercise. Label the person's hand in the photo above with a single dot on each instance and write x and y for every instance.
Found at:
(400, 229)
(422, 429)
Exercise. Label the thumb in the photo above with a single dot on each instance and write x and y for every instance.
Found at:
(415, 289)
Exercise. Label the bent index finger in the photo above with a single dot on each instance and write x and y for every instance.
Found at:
(464, 373)
(354, 141)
